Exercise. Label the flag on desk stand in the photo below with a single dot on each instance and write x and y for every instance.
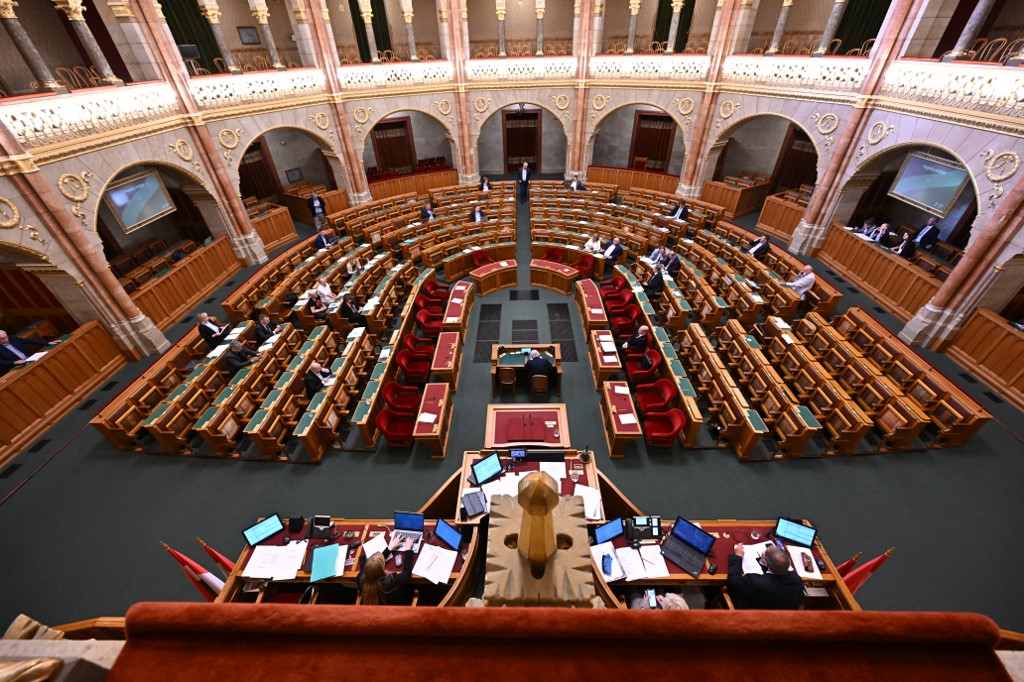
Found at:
(847, 566)
(223, 563)
(858, 576)
(207, 583)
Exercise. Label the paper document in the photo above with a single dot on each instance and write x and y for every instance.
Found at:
(632, 563)
(503, 263)
(269, 562)
(607, 347)
(591, 500)
(654, 562)
(609, 359)
(802, 558)
(329, 381)
(781, 323)
(627, 419)
(35, 356)
(328, 562)
(596, 311)
(435, 563)
(451, 319)
(554, 469)
(218, 351)
(637, 289)
(456, 300)
(377, 544)
(385, 353)
(750, 555)
(787, 338)
(598, 552)
(621, 390)
(427, 418)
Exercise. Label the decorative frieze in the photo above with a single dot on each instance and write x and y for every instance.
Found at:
(845, 75)
(525, 69)
(994, 89)
(249, 88)
(396, 75)
(655, 67)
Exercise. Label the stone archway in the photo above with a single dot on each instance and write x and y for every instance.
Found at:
(431, 138)
(489, 138)
(764, 137)
(606, 148)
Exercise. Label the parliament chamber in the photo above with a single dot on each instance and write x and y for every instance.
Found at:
(318, 262)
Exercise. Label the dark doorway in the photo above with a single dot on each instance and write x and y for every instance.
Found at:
(257, 173)
(521, 137)
(651, 145)
(798, 161)
(393, 145)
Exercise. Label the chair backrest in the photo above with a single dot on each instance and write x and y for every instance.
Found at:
(507, 375)
(539, 384)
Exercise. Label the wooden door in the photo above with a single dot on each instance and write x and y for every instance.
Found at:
(257, 173)
(797, 163)
(393, 145)
(651, 145)
(521, 134)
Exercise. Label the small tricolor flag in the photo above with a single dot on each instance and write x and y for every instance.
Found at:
(207, 583)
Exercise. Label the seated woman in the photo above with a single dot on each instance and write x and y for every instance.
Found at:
(378, 586)
(666, 601)
(593, 245)
(316, 307)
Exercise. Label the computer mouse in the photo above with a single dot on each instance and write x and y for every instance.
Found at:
(398, 560)
(356, 544)
(821, 564)
(712, 569)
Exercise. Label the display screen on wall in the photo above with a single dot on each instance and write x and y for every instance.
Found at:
(929, 183)
(139, 200)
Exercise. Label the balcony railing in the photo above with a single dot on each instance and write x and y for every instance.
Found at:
(980, 87)
(395, 74)
(842, 74)
(216, 92)
(687, 67)
(521, 69)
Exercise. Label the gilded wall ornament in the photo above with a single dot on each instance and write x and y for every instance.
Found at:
(320, 120)
(600, 102)
(480, 104)
(827, 123)
(879, 132)
(999, 168)
(684, 106)
(183, 150)
(229, 139)
(361, 115)
(561, 102)
(75, 188)
(725, 110)
(444, 106)
(10, 219)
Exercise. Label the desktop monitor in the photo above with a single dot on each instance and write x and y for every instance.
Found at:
(262, 530)
(796, 533)
(448, 533)
(608, 531)
(487, 468)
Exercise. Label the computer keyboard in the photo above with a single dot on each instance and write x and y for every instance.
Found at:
(682, 554)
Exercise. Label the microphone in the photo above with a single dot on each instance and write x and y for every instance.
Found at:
(531, 419)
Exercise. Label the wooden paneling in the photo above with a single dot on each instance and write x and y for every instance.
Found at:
(897, 284)
(35, 397)
(275, 227)
(779, 217)
(627, 178)
(990, 348)
(24, 299)
(419, 183)
(167, 298)
(735, 199)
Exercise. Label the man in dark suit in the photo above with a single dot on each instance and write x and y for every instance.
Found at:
(317, 208)
(211, 333)
(654, 286)
(537, 364)
(323, 239)
(524, 182)
(672, 264)
(477, 215)
(352, 311)
(638, 342)
(14, 350)
(928, 235)
(265, 329)
(680, 212)
(612, 251)
(427, 212)
(576, 185)
(237, 357)
(315, 379)
(779, 588)
(759, 247)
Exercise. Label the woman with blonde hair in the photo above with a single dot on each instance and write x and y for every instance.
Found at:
(376, 584)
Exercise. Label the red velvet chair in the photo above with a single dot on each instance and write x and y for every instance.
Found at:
(626, 322)
(421, 348)
(414, 369)
(482, 258)
(662, 428)
(634, 355)
(430, 324)
(616, 283)
(655, 397)
(639, 375)
(585, 266)
(396, 426)
(435, 291)
(555, 254)
(401, 398)
(423, 303)
(617, 306)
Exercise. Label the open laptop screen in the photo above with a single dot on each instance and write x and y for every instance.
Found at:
(797, 533)
(487, 468)
(692, 535)
(259, 532)
(448, 534)
(608, 531)
(409, 521)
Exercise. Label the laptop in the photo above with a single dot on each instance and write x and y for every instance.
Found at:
(795, 533)
(449, 534)
(687, 546)
(409, 525)
(262, 530)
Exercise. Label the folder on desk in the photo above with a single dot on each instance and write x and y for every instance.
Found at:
(328, 562)
(474, 503)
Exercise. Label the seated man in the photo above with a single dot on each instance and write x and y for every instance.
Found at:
(638, 342)
(803, 283)
(14, 350)
(537, 364)
(576, 185)
(672, 264)
(680, 212)
(759, 247)
(654, 286)
(238, 356)
(323, 239)
(880, 234)
(265, 329)
(213, 334)
(660, 255)
(868, 227)
(477, 216)
(612, 251)
(323, 290)
(315, 379)
(352, 310)
(427, 212)
(780, 588)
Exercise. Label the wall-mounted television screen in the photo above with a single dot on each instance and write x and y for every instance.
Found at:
(139, 200)
(929, 183)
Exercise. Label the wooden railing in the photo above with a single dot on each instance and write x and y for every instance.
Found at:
(993, 350)
(274, 226)
(420, 183)
(900, 286)
(627, 178)
(166, 299)
(736, 199)
(780, 216)
(296, 198)
(36, 396)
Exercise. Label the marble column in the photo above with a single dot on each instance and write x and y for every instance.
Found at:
(366, 12)
(74, 11)
(780, 28)
(407, 15)
(211, 12)
(634, 11)
(45, 82)
(261, 14)
(673, 28)
(970, 32)
(834, 17)
(540, 28)
(444, 32)
(597, 28)
(499, 8)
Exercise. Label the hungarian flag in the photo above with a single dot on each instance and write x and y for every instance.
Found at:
(860, 575)
(223, 563)
(847, 566)
(207, 583)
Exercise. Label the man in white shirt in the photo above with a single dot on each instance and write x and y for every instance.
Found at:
(803, 283)
(575, 184)
(324, 290)
(524, 182)
(612, 252)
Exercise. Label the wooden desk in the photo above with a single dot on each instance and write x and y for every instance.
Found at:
(603, 363)
(460, 302)
(447, 358)
(554, 276)
(511, 355)
(494, 276)
(436, 401)
(591, 305)
(527, 425)
(617, 409)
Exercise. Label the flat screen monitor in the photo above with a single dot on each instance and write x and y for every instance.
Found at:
(487, 468)
(796, 533)
(139, 200)
(188, 51)
(930, 183)
(608, 531)
(262, 530)
(448, 533)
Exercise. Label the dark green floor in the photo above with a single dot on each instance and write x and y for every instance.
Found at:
(80, 522)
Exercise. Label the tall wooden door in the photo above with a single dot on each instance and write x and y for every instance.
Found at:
(393, 145)
(651, 145)
(257, 173)
(521, 135)
(798, 161)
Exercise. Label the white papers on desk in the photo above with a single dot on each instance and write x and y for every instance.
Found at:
(607, 347)
(750, 556)
(385, 353)
(554, 469)
(621, 390)
(218, 351)
(654, 562)
(427, 418)
(596, 311)
(329, 381)
(270, 562)
(235, 333)
(757, 298)
(637, 289)
(378, 544)
(356, 333)
(645, 563)
(35, 356)
(451, 319)
(787, 338)
(591, 500)
(598, 552)
(798, 554)
(609, 359)
(435, 563)
(503, 485)
(627, 419)
(503, 263)
(456, 300)
(781, 323)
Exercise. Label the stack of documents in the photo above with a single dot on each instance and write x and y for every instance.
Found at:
(269, 562)
(435, 563)
(598, 552)
(591, 500)
(329, 561)
(797, 554)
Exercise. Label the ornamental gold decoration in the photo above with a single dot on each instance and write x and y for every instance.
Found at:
(684, 106)
(444, 106)
(561, 102)
(481, 104)
(320, 120)
(361, 115)
(184, 151)
(728, 108)
(827, 123)
(76, 189)
(600, 102)
(1000, 167)
(10, 219)
(879, 132)
(229, 139)
(7, 9)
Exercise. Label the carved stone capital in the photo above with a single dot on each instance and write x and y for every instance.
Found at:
(121, 9)
(7, 9)
(634, 7)
(210, 11)
(300, 15)
(261, 15)
(72, 8)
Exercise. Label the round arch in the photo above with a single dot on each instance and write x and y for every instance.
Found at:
(322, 142)
(16, 252)
(594, 128)
(717, 145)
(680, 119)
(513, 99)
(171, 169)
(364, 127)
(728, 130)
(453, 146)
(911, 145)
(489, 142)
